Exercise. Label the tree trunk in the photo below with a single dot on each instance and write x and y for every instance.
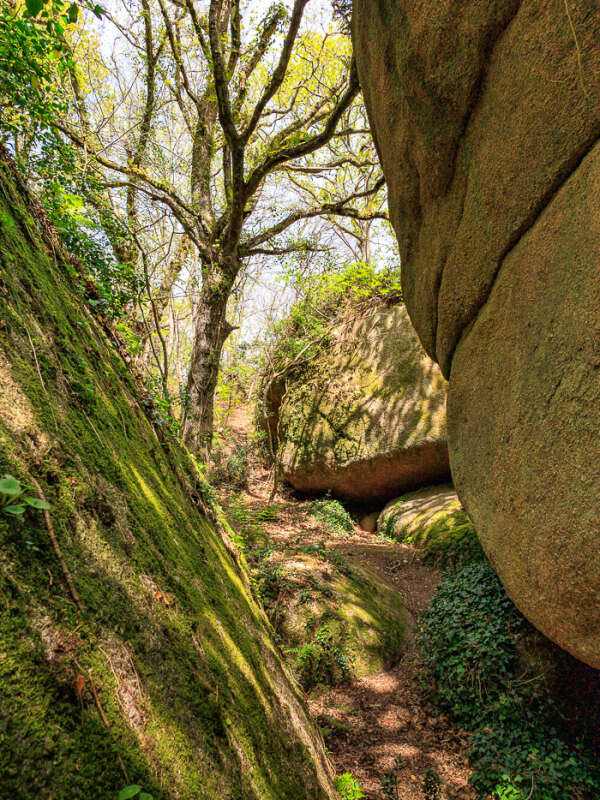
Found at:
(211, 329)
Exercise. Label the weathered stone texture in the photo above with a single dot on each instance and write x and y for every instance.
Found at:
(487, 119)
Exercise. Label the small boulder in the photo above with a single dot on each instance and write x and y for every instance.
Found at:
(337, 621)
(434, 521)
(368, 523)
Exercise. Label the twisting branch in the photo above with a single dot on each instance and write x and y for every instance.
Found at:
(267, 33)
(312, 143)
(220, 75)
(279, 71)
(177, 54)
(340, 207)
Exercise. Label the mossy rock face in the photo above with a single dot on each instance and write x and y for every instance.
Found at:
(336, 621)
(367, 417)
(434, 521)
(486, 120)
(168, 676)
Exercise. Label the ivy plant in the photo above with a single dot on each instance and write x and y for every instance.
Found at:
(471, 641)
(14, 498)
(134, 792)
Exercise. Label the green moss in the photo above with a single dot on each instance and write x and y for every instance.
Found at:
(440, 528)
(181, 656)
(335, 621)
(370, 391)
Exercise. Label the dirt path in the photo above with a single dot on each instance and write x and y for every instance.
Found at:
(372, 721)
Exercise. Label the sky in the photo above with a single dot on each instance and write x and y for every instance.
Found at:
(265, 291)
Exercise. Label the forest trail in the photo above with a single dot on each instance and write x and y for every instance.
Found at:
(369, 722)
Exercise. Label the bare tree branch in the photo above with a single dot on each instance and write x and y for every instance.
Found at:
(311, 144)
(339, 207)
(280, 70)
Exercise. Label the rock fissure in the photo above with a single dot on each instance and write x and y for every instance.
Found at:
(486, 54)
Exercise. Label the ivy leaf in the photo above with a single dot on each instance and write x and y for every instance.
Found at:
(73, 12)
(16, 511)
(34, 6)
(129, 791)
(35, 502)
(10, 486)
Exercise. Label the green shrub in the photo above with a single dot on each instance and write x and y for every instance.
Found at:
(270, 580)
(230, 466)
(348, 787)
(333, 514)
(14, 498)
(321, 660)
(248, 521)
(432, 785)
(389, 782)
(470, 639)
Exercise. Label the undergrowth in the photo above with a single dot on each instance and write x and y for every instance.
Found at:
(322, 660)
(333, 514)
(229, 462)
(349, 787)
(472, 639)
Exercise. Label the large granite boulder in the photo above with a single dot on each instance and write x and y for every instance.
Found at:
(487, 120)
(366, 420)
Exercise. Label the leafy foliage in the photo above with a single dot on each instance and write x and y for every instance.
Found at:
(14, 500)
(134, 792)
(470, 641)
(249, 523)
(118, 284)
(326, 297)
(432, 785)
(389, 782)
(270, 580)
(322, 660)
(333, 514)
(35, 56)
(30, 66)
(230, 466)
(348, 786)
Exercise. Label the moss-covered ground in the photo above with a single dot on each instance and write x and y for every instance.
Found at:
(336, 621)
(166, 675)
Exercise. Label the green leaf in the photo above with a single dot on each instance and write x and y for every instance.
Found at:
(16, 511)
(10, 486)
(98, 11)
(146, 796)
(129, 791)
(35, 502)
(73, 12)
(34, 6)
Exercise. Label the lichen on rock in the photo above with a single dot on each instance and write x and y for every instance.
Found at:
(365, 419)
